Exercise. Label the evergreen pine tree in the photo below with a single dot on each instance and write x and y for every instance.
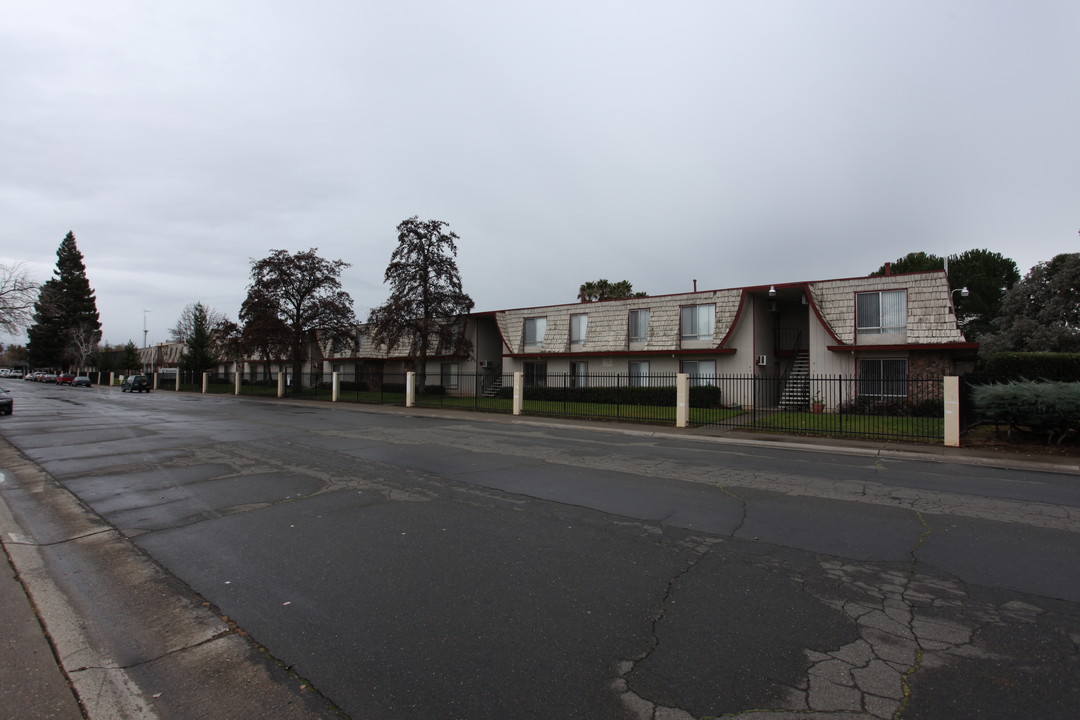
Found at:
(66, 319)
(199, 354)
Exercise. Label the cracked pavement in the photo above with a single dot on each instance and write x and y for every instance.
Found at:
(477, 569)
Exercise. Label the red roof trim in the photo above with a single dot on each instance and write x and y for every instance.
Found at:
(909, 346)
(734, 320)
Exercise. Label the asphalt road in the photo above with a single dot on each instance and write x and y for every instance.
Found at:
(410, 566)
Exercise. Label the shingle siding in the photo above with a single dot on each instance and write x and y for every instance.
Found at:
(928, 295)
(608, 323)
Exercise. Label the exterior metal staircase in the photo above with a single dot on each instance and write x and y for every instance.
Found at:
(796, 392)
(494, 387)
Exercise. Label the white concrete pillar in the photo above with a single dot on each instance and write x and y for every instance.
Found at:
(176, 383)
(952, 411)
(205, 382)
(519, 392)
(281, 384)
(682, 400)
(335, 383)
(236, 378)
(410, 389)
(112, 378)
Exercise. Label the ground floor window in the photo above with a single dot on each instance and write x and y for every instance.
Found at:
(639, 373)
(535, 374)
(883, 378)
(701, 372)
(448, 376)
(579, 374)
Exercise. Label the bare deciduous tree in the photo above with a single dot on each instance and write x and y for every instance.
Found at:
(18, 291)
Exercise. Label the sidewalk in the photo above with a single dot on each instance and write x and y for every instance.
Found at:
(34, 687)
(31, 683)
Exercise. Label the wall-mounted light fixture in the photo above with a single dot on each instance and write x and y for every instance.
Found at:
(964, 292)
(772, 291)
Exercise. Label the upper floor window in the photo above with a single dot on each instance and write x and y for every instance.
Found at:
(696, 322)
(881, 313)
(535, 329)
(639, 325)
(578, 325)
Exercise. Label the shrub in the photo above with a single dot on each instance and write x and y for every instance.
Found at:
(1052, 408)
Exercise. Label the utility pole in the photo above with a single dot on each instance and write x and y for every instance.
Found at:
(145, 335)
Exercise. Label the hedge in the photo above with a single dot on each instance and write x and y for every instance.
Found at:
(701, 396)
(1031, 366)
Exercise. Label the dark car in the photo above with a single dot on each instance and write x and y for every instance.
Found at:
(65, 378)
(81, 381)
(136, 383)
(7, 404)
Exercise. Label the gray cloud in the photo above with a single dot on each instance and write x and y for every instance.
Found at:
(734, 143)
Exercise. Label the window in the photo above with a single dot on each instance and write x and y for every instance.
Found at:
(701, 372)
(639, 326)
(696, 322)
(881, 313)
(579, 374)
(535, 374)
(578, 325)
(448, 375)
(639, 374)
(339, 368)
(883, 378)
(535, 328)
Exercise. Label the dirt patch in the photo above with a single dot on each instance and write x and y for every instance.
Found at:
(1019, 441)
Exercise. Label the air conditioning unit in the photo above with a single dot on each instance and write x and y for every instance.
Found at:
(762, 359)
(487, 364)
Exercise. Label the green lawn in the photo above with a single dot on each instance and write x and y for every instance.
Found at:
(911, 429)
(921, 429)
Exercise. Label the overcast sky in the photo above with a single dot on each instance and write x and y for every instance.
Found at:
(736, 143)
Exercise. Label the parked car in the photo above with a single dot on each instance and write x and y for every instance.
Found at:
(65, 378)
(7, 403)
(50, 378)
(136, 383)
(81, 381)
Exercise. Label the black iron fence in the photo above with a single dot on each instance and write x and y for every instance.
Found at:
(838, 406)
(835, 406)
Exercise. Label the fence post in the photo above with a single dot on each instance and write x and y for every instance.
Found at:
(519, 392)
(410, 389)
(682, 400)
(281, 384)
(335, 384)
(952, 410)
